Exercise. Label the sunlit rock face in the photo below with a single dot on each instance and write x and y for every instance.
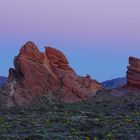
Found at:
(38, 73)
(133, 73)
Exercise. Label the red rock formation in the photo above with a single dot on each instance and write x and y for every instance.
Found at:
(36, 73)
(133, 73)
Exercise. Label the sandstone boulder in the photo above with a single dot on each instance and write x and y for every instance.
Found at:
(38, 73)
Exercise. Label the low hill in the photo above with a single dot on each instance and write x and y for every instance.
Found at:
(2, 80)
(114, 82)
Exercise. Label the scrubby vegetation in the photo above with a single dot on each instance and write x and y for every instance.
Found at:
(105, 117)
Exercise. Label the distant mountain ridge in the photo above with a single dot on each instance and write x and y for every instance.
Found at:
(114, 82)
(2, 80)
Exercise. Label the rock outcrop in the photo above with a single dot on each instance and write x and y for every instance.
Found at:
(133, 73)
(38, 73)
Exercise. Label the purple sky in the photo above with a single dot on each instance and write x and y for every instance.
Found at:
(97, 36)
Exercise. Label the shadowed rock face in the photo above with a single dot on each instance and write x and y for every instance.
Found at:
(133, 73)
(38, 73)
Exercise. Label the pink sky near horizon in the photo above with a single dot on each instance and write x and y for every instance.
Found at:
(81, 19)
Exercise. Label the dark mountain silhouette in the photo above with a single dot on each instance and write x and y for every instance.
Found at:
(118, 82)
(2, 80)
